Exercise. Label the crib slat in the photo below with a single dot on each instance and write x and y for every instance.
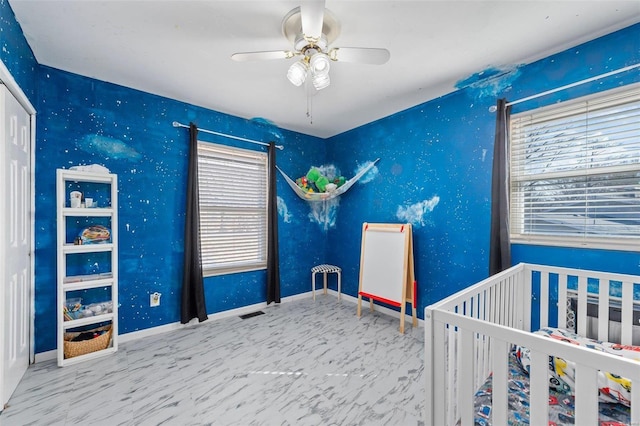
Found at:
(524, 300)
(499, 303)
(562, 301)
(500, 354)
(465, 378)
(492, 304)
(582, 305)
(453, 369)
(482, 313)
(603, 310)
(503, 302)
(512, 302)
(586, 410)
(429, 349)
(635, 402)
(627, 314)
(539, 392)
(454, 372)
(507, 302)
(439, 389)
(481, 306)
(544, 299)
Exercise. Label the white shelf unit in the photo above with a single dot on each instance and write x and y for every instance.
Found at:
(70, 283)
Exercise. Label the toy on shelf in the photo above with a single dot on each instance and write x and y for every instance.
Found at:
(95, 234)
(74, 309)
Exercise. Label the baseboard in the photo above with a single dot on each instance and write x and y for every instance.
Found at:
(135, 335)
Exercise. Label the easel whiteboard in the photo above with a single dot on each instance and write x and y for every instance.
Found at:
(386, 267)
(383, 265)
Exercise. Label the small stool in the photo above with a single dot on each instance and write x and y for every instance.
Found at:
(325, 269)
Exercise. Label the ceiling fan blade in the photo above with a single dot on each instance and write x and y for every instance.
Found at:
(361, 55)
(312, 17)
(263, 56)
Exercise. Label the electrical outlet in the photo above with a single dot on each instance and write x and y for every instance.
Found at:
(154, 299)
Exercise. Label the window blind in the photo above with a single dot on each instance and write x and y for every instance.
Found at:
(233, 188)
(575, 170)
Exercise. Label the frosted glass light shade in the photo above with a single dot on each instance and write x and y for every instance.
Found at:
(320, 63)
(320, 81)
(297, 73)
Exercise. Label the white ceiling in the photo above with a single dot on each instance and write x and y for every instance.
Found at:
(182, 49)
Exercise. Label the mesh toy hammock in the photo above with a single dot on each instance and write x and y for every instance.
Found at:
(323, 196)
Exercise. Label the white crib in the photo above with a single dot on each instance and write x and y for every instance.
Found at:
(468, 336)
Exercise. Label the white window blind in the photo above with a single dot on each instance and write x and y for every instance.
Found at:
(233, 186)
(575, 172)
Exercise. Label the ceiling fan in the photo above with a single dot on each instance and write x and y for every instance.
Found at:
(312, 29)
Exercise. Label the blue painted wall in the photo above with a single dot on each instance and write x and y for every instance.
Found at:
(444, 149)
(623, 262)
(16, 54)
(85, 121)
(434, 171)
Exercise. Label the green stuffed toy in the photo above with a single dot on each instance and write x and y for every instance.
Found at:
(315, 181)
(313, 174)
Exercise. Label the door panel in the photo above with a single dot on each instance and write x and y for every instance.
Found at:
(15, 215)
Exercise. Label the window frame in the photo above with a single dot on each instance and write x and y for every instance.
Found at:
(518, 211)
(235, 155)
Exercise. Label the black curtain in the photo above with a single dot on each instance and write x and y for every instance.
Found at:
(193, 304)
(500, 246)
(273, 261)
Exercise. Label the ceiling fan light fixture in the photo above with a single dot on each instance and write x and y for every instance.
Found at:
(320, 63)
(311, 29)
(297, 73)
(320, 81)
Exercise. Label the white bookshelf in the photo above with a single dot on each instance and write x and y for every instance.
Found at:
(70, 284)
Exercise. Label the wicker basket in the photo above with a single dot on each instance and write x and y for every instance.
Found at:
(72, 349)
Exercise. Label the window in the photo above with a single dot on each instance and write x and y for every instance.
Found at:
(575, 172)
(233, 186)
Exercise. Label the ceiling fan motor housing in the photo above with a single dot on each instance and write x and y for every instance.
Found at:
(302, 44)
(292, 30)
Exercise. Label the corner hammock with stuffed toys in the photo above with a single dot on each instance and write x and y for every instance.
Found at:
(316, 187)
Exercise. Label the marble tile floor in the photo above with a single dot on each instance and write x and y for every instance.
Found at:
(301, 363)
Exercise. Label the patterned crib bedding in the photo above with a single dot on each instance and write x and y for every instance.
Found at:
(561, 405)
(614, 390)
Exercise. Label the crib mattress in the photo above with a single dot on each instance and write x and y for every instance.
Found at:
(561, 406)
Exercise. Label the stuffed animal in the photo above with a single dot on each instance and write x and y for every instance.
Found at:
(313, 174)
(315, 181)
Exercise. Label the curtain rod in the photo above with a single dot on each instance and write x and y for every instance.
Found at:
(176, 124)
(577, 83)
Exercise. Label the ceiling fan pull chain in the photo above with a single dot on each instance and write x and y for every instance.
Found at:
(309, 109)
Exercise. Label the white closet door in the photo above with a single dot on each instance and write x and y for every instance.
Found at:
(15, 240)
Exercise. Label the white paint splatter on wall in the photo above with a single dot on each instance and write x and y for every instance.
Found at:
(490, 82)
(270, 127)
(283, 211)
(111, 147)
(416, 213)
(324, 213)
(330, 171)
(370, 175)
